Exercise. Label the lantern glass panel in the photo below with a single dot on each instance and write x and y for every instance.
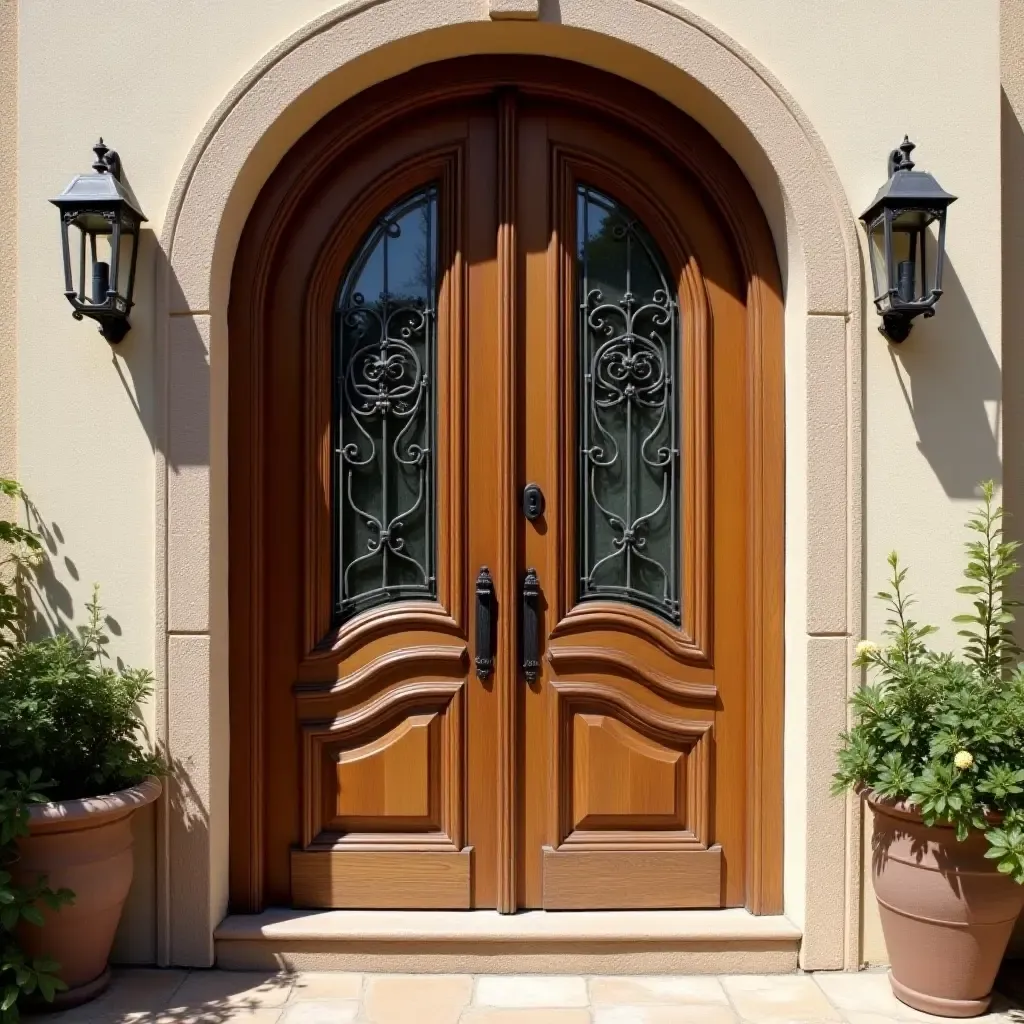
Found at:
(106, 263)
(879, 263)
(903, 265)
(910, 227)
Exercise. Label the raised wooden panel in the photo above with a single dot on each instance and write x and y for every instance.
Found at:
(388, 779)
(647, 880)
(622, 778)
(389, 772)
(629, 777)
(383, 880)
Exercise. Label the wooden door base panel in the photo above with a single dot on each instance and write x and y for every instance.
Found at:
(382, 880)
(648, 879)
(532, 942)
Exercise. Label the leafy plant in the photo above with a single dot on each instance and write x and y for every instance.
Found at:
(21, 975)
(18, 545)
(67, 711)
(945, 732)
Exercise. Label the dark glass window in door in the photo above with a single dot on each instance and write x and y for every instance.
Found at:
(628, 343)
(385, 396)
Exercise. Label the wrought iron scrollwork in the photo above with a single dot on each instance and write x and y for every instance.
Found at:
(384, 422)
(629, 356)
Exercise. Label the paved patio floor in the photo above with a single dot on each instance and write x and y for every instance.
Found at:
(217, 997)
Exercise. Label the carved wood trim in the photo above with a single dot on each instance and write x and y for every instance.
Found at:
(447, 699)
(694, 737)
(765, 589)
(579, 659)
(452, 658)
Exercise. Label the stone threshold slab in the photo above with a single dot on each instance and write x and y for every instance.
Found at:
(487, 925)
(534, 942)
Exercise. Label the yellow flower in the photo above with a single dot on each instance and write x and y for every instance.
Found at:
(866, 647)
(963, 759)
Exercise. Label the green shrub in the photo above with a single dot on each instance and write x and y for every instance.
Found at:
(69, 713)
(945, 732)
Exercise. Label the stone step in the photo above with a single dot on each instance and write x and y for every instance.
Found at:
(533, 942)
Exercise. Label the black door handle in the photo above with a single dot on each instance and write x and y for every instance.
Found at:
(531, 625)
(484, 623)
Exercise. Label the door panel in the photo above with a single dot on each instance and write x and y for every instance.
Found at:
(462, 287)
(365, 478)
(639, 708)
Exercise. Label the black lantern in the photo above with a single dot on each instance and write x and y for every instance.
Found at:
(897, 223)
(108, 219)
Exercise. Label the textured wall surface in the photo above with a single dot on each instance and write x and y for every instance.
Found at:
(91, 417)
(8, 239)
(1012, 110)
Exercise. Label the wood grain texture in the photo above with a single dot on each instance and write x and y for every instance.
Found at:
(449, 656)
(626, 731)
(359, 805)
(649, 880)
(567, 659)
(506, 480)
(506, 165)
(382, 880)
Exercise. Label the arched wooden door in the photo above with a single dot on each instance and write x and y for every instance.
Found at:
(505, 508)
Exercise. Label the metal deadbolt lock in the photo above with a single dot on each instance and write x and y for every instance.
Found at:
(533, 502)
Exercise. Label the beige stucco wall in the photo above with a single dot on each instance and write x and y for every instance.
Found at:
(8, 239)
(90, 416)
(1012, 109)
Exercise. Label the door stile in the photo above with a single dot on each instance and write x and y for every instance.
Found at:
(540, 432)
(507, 581)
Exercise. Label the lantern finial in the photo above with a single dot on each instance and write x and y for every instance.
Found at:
(899, 159)
(100, 163)
(107, 161)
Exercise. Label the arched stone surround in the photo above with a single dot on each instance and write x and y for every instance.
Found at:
(655, 43)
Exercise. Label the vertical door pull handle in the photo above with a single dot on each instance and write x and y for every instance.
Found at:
(531, 625)
(484, 623)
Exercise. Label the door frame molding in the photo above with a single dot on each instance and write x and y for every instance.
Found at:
(698, 68)
(693, 149)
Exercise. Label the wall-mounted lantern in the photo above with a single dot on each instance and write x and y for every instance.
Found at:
(108, 219)
(897, 224)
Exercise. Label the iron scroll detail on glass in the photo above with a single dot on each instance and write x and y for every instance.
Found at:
(384, 401)
(628, 425)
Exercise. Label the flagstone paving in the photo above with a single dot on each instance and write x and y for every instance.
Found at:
(140, 996)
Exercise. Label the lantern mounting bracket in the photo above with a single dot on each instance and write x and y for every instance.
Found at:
(107, 161)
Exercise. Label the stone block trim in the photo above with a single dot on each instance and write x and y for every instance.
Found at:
(270, 108)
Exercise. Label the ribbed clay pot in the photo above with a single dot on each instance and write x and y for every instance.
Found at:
(85, 846)
(947, 913)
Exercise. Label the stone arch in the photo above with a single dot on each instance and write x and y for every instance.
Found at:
(657, 44)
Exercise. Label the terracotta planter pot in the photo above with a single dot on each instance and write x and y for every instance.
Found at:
(86, 846)
(947, 913)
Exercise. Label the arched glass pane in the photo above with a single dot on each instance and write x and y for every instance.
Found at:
(628, 411)
(385, 339)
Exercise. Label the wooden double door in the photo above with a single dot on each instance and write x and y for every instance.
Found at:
(502, 613)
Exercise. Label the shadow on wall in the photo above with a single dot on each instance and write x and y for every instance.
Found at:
(1013, 321)
(1012, 134)
(953, 387)
(52, 604)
